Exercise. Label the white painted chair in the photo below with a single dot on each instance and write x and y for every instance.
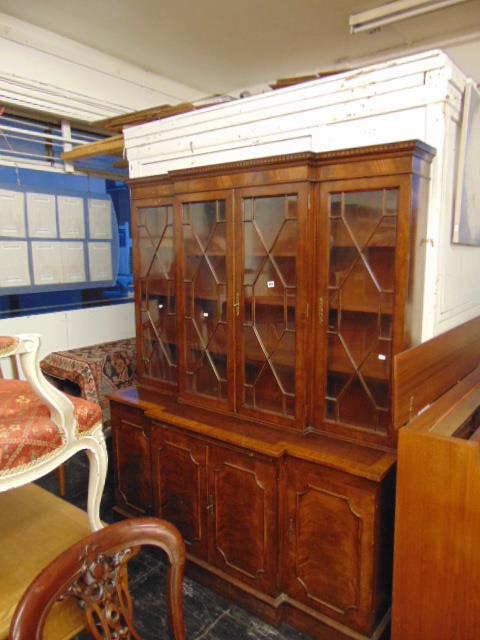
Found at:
(41, 428)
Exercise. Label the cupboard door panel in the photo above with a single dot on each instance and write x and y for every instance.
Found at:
(271, 293)
(207, 264)
(131, 456)
(243, 517)
(155, 287)
(331, 536)
(179, 467)
(362, 237)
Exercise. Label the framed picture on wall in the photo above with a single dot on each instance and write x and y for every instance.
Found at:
(466, 220)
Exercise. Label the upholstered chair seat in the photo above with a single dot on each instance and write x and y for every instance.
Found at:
(27, 433)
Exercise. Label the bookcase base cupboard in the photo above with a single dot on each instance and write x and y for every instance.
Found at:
(271, 298)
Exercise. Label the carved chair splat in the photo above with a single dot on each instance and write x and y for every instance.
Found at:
(93, 571)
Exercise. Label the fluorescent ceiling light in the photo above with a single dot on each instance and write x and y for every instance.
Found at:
(394, 12)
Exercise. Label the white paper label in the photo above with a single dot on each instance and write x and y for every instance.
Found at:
(270, 284)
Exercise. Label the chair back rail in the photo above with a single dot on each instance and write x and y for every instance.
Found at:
(92, 571)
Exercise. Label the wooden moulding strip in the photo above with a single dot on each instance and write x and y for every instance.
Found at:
(145, 115)
(425, 372)
(452, 409)
(109, 147)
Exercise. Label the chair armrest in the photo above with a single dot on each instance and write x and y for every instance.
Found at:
(26, 346)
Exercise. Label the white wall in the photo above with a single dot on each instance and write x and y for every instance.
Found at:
(45, 71)
(42, 70)
(70, 329)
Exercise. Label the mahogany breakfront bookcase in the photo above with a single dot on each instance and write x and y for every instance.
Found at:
(271, 296)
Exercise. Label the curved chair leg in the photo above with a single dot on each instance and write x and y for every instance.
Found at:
(98, 462)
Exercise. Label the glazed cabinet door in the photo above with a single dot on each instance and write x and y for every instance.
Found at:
(242, 517)
(363, 267)
(131, 456)
(270, 301)
(179, 480)
(206, 257)
(155, 291)
(331, 562)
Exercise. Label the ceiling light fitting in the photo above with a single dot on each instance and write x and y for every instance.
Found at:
(394, 12)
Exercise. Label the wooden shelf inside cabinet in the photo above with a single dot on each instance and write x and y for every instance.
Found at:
(264, 301)
(363, 306)
(157, 287)
(201, 254)
(274, 254)
(281, 364)
(252, 254)
(383, 241)
(213, 349)
(207, 297)
(274, 301)
(253, 351)
(167, 341)
(164, 325)
(370, 370)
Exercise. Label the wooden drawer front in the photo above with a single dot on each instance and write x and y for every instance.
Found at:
(131, 455)
(179, 471)
(243, 513)
(330, 540)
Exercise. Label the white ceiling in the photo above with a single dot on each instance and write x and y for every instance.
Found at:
(218, 46)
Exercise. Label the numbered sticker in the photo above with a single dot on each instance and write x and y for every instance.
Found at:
(270, 284)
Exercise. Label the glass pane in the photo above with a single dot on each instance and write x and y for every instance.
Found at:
(205, 289)
(158, 303)
(159, 350)
(269, 303)
(155, 232)
(361, 214)
(363, 228)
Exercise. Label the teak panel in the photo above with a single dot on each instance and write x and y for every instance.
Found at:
(423, 373)
(243, 516)
(131, 456)
(180, 489)
(331, 535)
(437, 556)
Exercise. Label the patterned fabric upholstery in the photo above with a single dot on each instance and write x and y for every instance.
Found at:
(98, 370)
(26, 432)
(8, 344)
